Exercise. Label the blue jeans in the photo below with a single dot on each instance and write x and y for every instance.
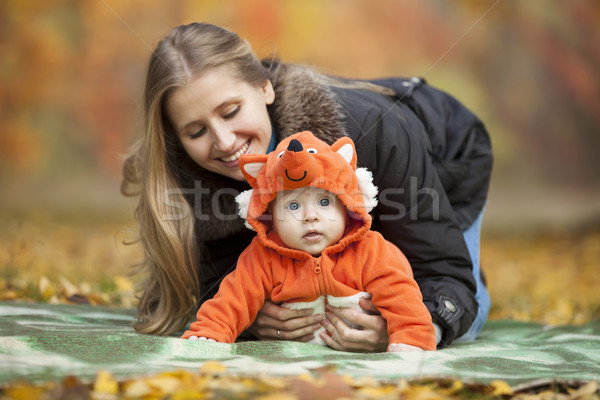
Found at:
(472, 237)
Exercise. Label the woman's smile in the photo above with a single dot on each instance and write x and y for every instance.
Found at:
(232, 159)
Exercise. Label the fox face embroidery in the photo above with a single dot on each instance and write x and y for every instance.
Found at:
(298, 161)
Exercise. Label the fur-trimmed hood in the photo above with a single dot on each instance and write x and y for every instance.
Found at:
(303, 102)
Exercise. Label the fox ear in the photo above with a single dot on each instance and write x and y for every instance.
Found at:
(251, 166)
(345, 147)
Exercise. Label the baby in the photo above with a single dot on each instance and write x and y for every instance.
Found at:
(310, 208)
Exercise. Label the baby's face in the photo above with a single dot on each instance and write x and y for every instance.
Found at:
(308, 219)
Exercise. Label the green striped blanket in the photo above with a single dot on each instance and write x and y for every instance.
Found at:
(42, 342)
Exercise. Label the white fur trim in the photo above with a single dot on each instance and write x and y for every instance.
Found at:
(347, 152)
(368, 190)
(348, 301)
(318, 305)
(243, 201)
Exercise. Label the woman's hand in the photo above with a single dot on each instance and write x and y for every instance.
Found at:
(371, 337)
(274, 322)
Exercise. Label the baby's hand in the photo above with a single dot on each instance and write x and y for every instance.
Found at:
(201, 338)
(402, 348)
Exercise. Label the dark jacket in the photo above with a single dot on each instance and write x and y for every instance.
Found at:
(432, 182)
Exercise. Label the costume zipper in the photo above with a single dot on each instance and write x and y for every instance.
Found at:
(320, 277)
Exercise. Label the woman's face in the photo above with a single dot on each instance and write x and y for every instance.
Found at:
(220, 117)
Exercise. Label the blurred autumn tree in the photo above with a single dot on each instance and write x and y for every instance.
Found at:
(541, 63)
(71, 73)
(67, 99)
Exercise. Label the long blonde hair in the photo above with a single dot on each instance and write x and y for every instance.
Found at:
(154, 170)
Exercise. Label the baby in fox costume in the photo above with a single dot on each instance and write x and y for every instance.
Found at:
(310, 208)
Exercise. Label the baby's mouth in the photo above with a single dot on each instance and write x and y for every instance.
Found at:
(312, 236)
(237, 154)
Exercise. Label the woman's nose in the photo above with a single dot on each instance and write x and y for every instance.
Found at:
(224, 138)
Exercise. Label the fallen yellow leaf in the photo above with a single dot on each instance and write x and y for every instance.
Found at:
(422, 392)
(402, 386)
(186, 394)
(212, 367)
(46, 288)
(586, 390)
(307, 378)
(501, 388)
(456, 386)
(24, 392)
(68, 288)
(166, 384)
(105, 384)
(375, 392)
(9, 295)
(123, 284)
(136, 388)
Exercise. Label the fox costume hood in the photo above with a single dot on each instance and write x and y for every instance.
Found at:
(303, 160)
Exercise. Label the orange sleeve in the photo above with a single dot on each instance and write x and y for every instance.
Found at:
(241, 295)
(388, 276)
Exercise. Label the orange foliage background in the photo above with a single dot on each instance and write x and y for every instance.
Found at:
(72, 71)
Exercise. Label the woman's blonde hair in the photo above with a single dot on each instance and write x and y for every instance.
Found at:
(157, 168)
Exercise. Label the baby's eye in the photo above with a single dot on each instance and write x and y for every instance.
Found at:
(280, 154)
(324, 202)
(293, 206)
(312, 150)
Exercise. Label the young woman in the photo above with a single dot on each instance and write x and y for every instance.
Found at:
(209, 100)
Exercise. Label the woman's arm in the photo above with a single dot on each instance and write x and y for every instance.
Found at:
(414, 212)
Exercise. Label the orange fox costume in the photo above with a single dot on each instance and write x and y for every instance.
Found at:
(362, 261)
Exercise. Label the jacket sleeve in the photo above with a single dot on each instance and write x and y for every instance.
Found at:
(388, 277)
(415, 214)
(241, 295)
